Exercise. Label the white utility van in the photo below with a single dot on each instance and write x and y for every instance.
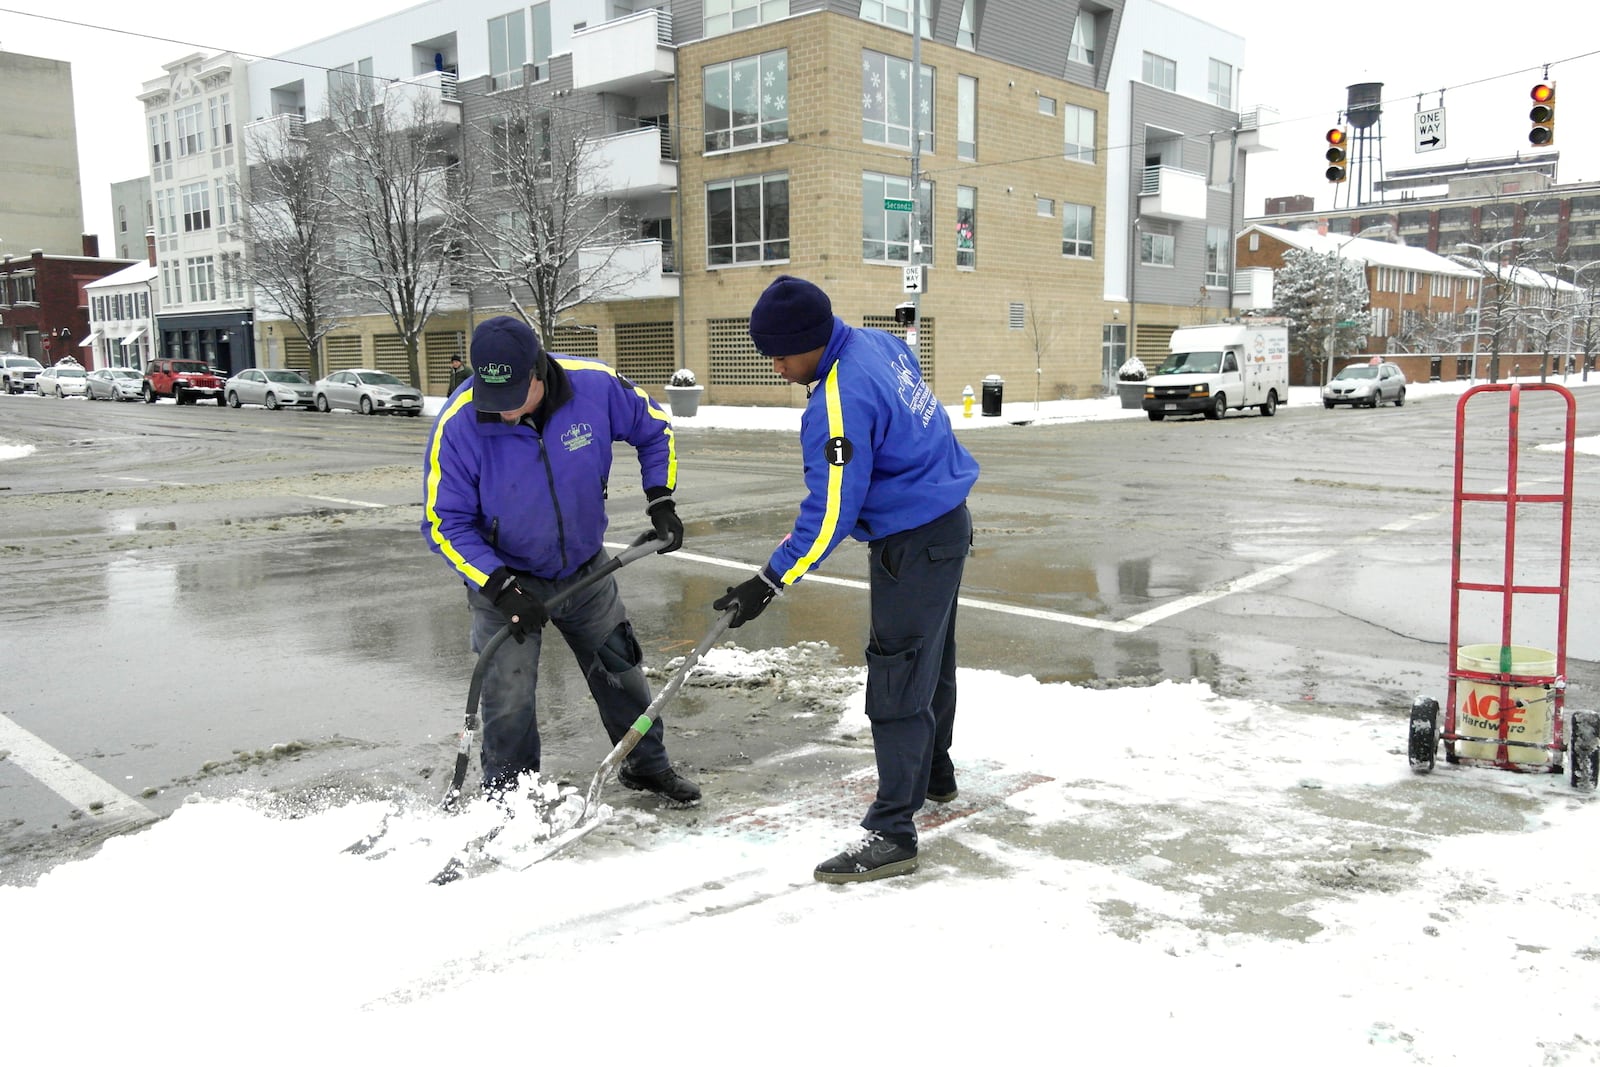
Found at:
(1241, 363)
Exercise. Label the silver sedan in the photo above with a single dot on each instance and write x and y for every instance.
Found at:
(115, 383)
(1366, 385)
(270, 388)
(371, 392)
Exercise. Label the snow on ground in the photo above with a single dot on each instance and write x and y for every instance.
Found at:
(1150, 874)
(1184, 876)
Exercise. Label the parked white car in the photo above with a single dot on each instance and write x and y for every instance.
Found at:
(63, 380)
(115, 383)
(1366, 385)
(270, 388)
(371, 392)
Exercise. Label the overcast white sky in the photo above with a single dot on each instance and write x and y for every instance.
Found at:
(1483, 54)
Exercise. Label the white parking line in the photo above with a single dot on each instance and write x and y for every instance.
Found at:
(342, 500)
(72, 782)
(1134, 623)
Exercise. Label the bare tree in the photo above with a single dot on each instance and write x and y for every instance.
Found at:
(536, 222)
(1426, 331)
(394, 177)
(1044, 329)
(288, 233)
(1504, 269)
(1548, 309)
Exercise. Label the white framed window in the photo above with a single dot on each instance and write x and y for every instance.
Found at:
(896, 14)
(1219, 83)
(885, 233)
(352, 89)
(746, 101)
(1157, 245)
(966, 227)
(747, 220)
(1439, 284)
(966, 117)
(1044, 207)
(1078, 134)
(1047, 104)
(1160, 72)
(508, 49)
(202, 278)
(967, 28)
(196, 207)
(191, 137)
(1081, 50)
(220, 187)
(725, 16)
(1217, 256)
(1077, 230)
(886, 101)
(541, 41)
(1380, 322)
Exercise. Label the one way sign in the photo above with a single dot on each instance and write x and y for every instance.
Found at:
(1430, 130)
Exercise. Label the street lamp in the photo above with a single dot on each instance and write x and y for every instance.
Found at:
(1481, 254)
(1338, 276)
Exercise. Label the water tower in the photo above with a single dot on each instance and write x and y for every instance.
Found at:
(1364, 112)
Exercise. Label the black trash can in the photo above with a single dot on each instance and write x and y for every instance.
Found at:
(994, 390)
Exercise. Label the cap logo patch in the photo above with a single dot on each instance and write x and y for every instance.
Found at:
(495, 373)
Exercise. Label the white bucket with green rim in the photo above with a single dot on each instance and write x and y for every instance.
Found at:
(1480, 712)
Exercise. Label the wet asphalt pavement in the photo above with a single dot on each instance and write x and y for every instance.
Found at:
(199, 600)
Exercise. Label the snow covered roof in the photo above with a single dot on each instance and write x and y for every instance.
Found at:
(1518, 275)
(137, 274)
(1368, 251)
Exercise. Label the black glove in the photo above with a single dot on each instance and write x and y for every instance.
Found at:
(664, 517)
(524, 612)
(749, 598)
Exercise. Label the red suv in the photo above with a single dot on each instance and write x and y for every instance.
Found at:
(184, 380)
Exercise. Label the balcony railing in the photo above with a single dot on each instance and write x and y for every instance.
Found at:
(433, 93)
(639, 270)
(625, 55)
(633, 164)
(1170, 193)
(1258, 130)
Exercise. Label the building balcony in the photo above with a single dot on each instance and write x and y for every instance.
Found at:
(1170, 193)
(639, 270)
(425, 97)
(1258, 130)
(627, 55)
(1252, 289)
(272, 137)
(634, 164)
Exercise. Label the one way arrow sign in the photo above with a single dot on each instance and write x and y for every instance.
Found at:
(1429, 130)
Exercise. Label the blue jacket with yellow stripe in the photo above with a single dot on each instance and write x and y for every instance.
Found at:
(880, 454)
(532, 495)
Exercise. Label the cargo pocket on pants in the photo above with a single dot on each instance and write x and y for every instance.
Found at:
(889, 678)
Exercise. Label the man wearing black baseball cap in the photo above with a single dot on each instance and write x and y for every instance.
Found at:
(514, 499)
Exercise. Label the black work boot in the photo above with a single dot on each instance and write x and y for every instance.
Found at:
(874, 856)
(942, 792)
(667, 784)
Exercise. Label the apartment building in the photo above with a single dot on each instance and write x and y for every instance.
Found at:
(198, 188)
(742, 139)
(44, 303)
(1180, 143)
(41, 203)
(133, 217)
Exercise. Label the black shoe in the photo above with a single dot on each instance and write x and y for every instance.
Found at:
(667, 784)
(942, 792)
(874, 856)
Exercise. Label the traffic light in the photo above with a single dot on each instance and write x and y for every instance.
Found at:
(1336, 155)
(1543, 115)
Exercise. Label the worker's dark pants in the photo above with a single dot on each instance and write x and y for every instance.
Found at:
(595, 624)
(911, 663)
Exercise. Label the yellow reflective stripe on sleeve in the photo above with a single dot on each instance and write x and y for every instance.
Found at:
(830, 517)
(431, 497)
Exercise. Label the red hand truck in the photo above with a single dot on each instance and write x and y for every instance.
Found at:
(1505, 702)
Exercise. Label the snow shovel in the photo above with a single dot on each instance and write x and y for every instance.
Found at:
(588, 818)
(645, 544)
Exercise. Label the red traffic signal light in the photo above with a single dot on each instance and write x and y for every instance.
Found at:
(1336, 155)
(1542, 115)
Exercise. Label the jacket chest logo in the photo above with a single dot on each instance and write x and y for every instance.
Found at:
(578, 435)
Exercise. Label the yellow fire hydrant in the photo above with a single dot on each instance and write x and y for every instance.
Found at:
(966, 402)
